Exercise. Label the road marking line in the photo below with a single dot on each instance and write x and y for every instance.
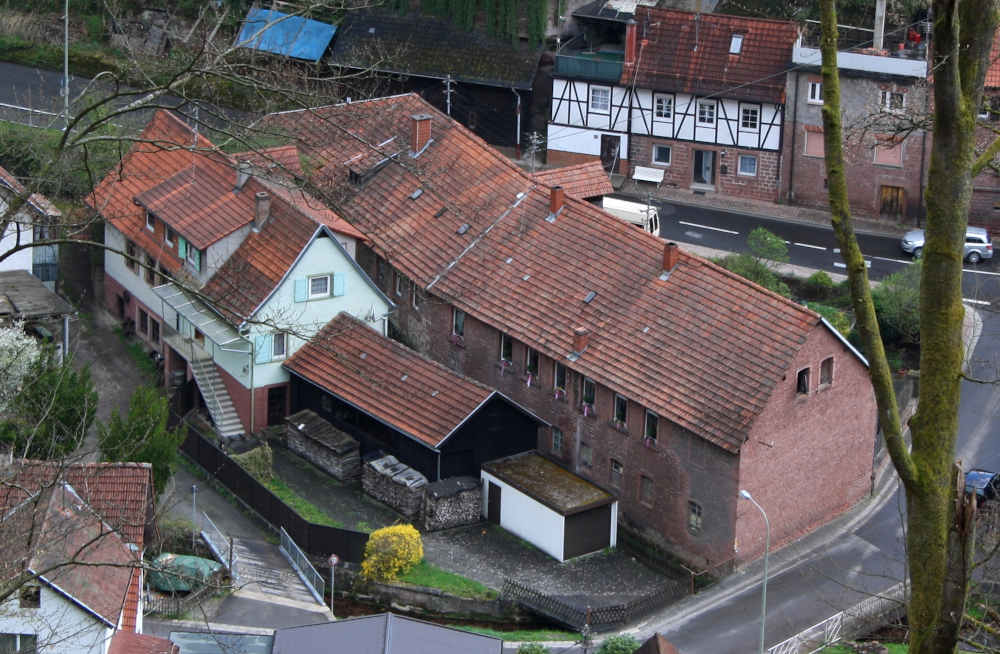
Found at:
(694, 235)
(714, 229)
(980, 272)
(907, 262)
(807, 245)
(965, 299)
(841, 264)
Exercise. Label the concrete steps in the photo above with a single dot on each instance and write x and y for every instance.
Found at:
(220, 405)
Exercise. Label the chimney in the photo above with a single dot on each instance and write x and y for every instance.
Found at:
(581, 338)
(556, 199)
(242, 174)
(420, 131)
(262, 210)
(630, 42)
(879, 39)
(670, 256)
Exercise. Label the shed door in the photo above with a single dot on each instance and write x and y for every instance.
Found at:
(493, 504)
(587, 531)
(891, 201)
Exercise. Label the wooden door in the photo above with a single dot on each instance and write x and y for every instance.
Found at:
(891, 201)
(493, 504)
(610, 146)
(276, 405)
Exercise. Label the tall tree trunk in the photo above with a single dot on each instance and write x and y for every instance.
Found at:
(939, 517)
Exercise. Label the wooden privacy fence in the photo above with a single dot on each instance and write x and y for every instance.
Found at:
(315, 540)
(602, 618)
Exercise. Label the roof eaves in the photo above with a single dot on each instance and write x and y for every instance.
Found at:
(845, 342)
(72, 598)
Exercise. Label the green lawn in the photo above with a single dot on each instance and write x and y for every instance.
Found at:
(894, 648)
(300, 505)
(425, 574)
(524, 636)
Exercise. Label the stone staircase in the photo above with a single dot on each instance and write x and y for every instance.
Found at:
(220, 405)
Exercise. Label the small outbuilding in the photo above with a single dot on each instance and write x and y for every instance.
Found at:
(564, 515)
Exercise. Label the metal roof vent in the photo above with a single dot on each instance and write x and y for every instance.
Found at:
(416, 194)
(364, 355)
(590, 297)
(645, 330)
(508, 259)
(435, 393)
(404, 377)
(526, 277)
(464, 228)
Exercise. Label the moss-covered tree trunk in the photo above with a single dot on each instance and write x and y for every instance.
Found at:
(939, 518)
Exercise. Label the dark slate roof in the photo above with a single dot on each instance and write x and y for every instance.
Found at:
(27, 297)
(382, 634)
(312, 426)
(291, 36)
(424, 46)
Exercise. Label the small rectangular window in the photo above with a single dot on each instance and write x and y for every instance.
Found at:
(416, 297)
(892, 100)
(458, 322)
(143, 322)
(747, 165)
(506, 348)
(319, 286)
(557, 441)
(169, 236)
(815, 92)
(815, 146)
(826, 372)
(531, 361)
(154, 331)
(652, 426)
(589, 391)
(706, 112)
(278, 345)
(132, 255)
(694, 517)
(664, 106)
(750, 118)
(621, 411)
(600, 99)
(586, 455)
(400, 283)
(150, 270)
(194, 257)
(31, 596)
(661, 155)
(617, 472)
(646, 490)
(150, 222)
(736, 44)
(802, 382)
(559, 377)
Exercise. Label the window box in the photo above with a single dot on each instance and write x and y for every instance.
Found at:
(619, 425)
(457, 340)
(503, 365)
(587, 410)
(648, 442)
(530, 379)
(559, 394)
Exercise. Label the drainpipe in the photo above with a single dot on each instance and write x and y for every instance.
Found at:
(439, 466)
(795, 130)
(251, 388)
(517, 133)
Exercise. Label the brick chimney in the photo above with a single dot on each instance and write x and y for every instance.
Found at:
(670, 256)
(556, 199)
(420, 131)
(581, 338)
(242, 174)
(262, 210)
(631, 42)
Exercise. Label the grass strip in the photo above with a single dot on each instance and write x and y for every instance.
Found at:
(524, 635)
(301, 505)
(427, 574)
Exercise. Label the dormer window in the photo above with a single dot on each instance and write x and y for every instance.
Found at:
(150, 222)
(735, 44)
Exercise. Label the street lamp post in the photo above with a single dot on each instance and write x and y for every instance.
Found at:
(767, 546)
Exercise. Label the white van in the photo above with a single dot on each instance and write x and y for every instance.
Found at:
(636, 213)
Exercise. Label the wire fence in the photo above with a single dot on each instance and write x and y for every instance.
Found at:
(300, 562)
(221, 546)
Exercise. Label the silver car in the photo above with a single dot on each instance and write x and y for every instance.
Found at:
(978, 245)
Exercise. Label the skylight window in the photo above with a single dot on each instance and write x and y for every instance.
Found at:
(736, 44)
(590, 297)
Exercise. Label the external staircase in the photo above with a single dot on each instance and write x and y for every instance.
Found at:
(220, 405)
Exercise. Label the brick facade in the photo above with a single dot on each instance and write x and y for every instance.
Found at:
(559, 159)
(680, 173)
(689, 503)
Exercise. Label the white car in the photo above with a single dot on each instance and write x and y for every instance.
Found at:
(978, 245)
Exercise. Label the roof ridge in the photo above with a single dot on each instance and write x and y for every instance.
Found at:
(716, 17)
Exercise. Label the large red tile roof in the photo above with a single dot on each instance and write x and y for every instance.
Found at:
(124, 642)
(702, 347)
(993, 72)
(36, 200)
(689, 53)
(415, 395)
(586, 180)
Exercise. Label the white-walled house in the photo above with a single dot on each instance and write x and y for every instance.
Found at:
(37, 216)
(671, 97)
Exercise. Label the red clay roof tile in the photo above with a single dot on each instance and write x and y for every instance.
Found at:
(703, 347)
(124, 642)
(584, 180)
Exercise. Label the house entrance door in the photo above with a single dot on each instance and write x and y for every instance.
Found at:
(610, 146)
(493, 504)
(276, 405)
(891, 201)
(704, 167)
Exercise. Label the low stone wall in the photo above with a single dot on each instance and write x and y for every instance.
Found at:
(451, 503)
(323, 445)
(395, 484)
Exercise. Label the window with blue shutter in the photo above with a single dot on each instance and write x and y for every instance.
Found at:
(262, 348)
(338, 284)
(301, 290)
(181, 247)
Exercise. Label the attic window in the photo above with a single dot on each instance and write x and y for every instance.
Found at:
(31, 597)
(434, 393)
(440, 212)
(590, 297)
(404, 377)
(416, 194)
(736, 44)
(464, 228)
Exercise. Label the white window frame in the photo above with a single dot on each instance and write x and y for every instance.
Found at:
(167, 231)
(455, 314)
(557, 440)
(595, 106)
(736, 44)
(885, 100)
(739, 165)
(398, 283)
(279, 337)
(808, 380)
(696, 517)
(614, 415)
(670, 154)
(528, 351)
(829, 382)
(415, 297)
(583, 391)
(667, 111)
(315, 296)
(706, 104)
(194, 256)
(556, 366)
(756, 118)
(616, 477)
(505, 339)
(645, 426)
(815, 93)
(150, 221)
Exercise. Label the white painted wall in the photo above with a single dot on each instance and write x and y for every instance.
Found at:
(134, 283)
(217, 253)
(582, 140)
(20, 260)
(527, 518)
(62, 626)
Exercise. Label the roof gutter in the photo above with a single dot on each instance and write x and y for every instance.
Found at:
(73, 599)
(845, 342)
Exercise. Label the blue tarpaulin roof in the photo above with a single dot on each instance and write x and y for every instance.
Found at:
(294, 36)
(978, 480)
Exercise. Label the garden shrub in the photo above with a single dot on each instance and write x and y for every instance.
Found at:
(258, 462)
(834, 316)
(621, 644)
(533, 648)
(897, 307)
(391, 552)
(818, 286)
(756, 270)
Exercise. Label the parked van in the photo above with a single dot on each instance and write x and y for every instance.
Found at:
(636, 213)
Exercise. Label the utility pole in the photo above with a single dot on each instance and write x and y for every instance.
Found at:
(535, 141)
(447, 81)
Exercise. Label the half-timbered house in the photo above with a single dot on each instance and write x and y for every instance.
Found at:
(684, 99)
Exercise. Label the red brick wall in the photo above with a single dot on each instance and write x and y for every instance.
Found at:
(680, 172)
(983, 211)
(558, 158)
(808, 458)
(240, 395)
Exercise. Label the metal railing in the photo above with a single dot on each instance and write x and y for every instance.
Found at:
(300, 562)
(221, 546)
(861, 618)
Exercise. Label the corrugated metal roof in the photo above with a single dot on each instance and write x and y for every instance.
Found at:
(292, 36)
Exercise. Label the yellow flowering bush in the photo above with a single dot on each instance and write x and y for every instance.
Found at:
(391, 552)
